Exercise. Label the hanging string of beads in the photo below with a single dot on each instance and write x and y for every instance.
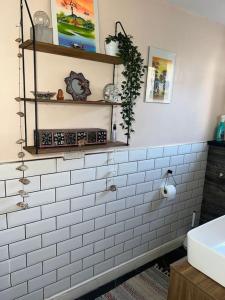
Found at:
(20, 142)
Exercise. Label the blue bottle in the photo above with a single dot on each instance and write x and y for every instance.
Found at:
(220, 130)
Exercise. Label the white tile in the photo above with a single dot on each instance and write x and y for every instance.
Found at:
(105, 221)
(103, 266)
(155, 152)
(115, 206)
(82, 202)
(69, 219)
(106, 171)
(13, 186)
(82, 228)
(69, 270)
(125, 192)
(119, 181)
(157, 224)
(95, 160)
(144, 187)
(9, 204)
(94, 186)
(138, 154)
(69, 245)
(24, 246)
(40, 167)
(41, 281)
(202, 156)
(140, 250)
(40, 227)
(41, 255)
(182, 169)
(151, 216)
(190, 158)
(187, 177)
(56, 262)
(93, 212)
(177, 160)
(146, 165)
(24, 216)
(2, 189)
(170, 150)
(184, 149)
(80, 253)
(198, 147)
(12, 235)
(26, 274)
(124, 236)
(69, 192)
(151, 196)
(135, 200)
(141, 229)
(118, 157)
(69, 165)
(83, 175)
(104, 244)
(93, 260)
(41, 198)
(104, 197)
(112, 252)
(142, 209)
(114, 229)
(123, 257)
(127, 168)
(132, 223)
(37, 295)
(4, 282)
(4, 253)
(55, 209)
(18, 263)
(3, 224)
(94, 236)
(55, 180)
(8, 171)
(55, 237)
(153, 175)
(14, 292)
(57, 287)
(4, 268)
(132, 243)
(136, 178)
(162, 162)
(82, 276)
(125, 214)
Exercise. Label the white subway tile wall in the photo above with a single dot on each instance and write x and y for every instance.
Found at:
(76, 228)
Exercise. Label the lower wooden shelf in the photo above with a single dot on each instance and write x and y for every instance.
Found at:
(32, 149)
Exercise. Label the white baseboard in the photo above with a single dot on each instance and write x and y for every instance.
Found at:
(108, 276)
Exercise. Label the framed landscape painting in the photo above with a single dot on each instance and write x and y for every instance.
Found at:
(75, 24)
(161, 68)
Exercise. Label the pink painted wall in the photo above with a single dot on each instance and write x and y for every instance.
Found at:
(199, 88)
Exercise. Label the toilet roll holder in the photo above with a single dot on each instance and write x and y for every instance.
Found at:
(169, 174)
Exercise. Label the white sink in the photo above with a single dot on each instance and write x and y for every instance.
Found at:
(206, 249)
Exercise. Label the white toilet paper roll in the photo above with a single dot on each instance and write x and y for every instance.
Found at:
(169, 192)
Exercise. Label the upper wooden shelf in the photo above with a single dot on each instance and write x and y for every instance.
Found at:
(71, 52)
(71, 102)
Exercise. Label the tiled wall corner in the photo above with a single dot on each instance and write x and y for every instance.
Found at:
(76, 228)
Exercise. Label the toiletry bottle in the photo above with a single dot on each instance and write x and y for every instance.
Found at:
(220, 129)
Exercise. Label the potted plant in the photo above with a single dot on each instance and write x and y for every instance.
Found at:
(112, 45)
(133, 72)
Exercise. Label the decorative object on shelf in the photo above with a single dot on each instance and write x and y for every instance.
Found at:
(43, 33)
(48, 138)
(77, 86)
(44, 95)
(60, 95)
(111, 93)
(112, 45)
(21, 141)
(22, 205)
(76, 24)
(133, 72)
(161, 68)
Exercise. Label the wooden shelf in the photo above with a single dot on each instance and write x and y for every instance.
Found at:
(32, 149)
(71, 52)
(71, 102)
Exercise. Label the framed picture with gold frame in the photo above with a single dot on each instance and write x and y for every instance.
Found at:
(160, 78)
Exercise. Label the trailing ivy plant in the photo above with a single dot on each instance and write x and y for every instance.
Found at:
(131, 85)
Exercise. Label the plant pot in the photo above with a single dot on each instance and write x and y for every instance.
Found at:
(112, 48)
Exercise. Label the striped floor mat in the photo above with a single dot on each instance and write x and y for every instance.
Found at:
(149, 285)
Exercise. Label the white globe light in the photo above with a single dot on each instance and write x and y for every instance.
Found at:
(41, 19)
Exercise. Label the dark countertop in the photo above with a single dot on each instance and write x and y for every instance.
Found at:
(215, 143)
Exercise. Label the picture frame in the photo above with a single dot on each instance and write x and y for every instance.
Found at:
(75, 24)
(160, 78)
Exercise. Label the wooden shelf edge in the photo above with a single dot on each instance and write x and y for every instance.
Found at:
(32, 149)
(71, 102)
(71, 52)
